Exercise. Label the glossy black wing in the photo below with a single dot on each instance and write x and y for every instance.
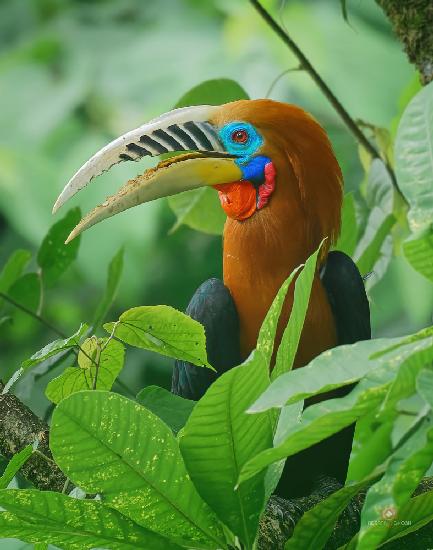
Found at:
(212, 305)
(347, 297)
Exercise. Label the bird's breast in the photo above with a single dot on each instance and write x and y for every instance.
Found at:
(254, 271)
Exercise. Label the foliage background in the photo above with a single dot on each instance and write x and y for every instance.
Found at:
(75, 74)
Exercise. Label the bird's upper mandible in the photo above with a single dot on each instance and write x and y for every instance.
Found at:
(253, 152)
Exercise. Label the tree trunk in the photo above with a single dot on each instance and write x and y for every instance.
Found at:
(412, 21)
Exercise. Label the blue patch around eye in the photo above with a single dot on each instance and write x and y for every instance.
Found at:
(244, 150)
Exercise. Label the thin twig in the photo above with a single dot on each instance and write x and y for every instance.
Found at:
(32, 314)
(335, 102)
(44, 322)
(279, 77)
(62, 335)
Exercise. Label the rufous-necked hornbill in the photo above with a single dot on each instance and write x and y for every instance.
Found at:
(281, 188)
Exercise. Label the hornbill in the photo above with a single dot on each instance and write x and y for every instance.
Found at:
(280, 185)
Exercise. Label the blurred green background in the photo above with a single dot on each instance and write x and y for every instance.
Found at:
(75, 74)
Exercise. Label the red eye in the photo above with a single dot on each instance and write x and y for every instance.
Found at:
(240, 136)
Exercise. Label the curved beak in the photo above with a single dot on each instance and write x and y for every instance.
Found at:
(185, 129)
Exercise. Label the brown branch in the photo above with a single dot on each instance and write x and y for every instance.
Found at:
(20, 427)
(321, 84)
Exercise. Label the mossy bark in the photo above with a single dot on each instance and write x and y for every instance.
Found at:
(20, 427)
(412, 21)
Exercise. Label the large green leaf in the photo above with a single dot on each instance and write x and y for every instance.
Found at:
(113, 279)
(415, 356)
(219, 438)
(418, 250)
(164, 330)
(373, 441)
(108, 444)
(349, 229)
(332, 369)
(55, 347)
(44, 516)
(424, 385)
(14, 465)
(292, 333)
(13, 268)
(54, 257)
(374, 248)
(172, 409)
(26, 291)
(405, 470)
(321, 420)
(414, 157)
(316, 525)
(268, 330)
(416, 513)
(213, 92)
(96, 370)
(200, 208)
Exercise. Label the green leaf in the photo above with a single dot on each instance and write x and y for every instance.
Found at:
(374, 248)
(164, 330)
(349, 229)
(113, 279)
(373, 438)
(414, 157)
(424, 385)
(213, 92)
(107, 353)
(404, 383)
(13, 268)
(54, 257)
(292, 333)
(418, 251)
(344, 10)
(200, 208)
(44, 516)
(14, 465)
(219, 438)
(268, 330)
(321, 420)
(413, 515)
(26, 291)
(55, 348)
(332, 369)
(316, 525)
(108, 444)
(405, 470)
(171, 409)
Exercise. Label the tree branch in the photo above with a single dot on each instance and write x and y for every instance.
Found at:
(321, 84)
(20, 427)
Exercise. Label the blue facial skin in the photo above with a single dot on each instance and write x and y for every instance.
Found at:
(253, 168)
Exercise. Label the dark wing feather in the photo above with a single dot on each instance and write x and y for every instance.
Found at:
(346, 293)
(212, 305)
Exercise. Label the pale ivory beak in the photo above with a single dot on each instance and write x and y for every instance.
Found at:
(185, 129)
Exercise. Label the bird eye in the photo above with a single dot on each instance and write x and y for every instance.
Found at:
(239, 136)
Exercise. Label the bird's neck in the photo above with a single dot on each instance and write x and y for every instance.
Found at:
(259, 254)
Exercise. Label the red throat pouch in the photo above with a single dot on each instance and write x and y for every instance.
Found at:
(238, 199)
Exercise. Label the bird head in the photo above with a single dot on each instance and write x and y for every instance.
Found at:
(266, 159)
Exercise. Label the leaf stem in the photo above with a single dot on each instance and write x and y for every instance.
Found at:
(333, 100)
(33, 314)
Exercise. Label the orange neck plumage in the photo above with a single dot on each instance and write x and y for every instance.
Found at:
(262, 250)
